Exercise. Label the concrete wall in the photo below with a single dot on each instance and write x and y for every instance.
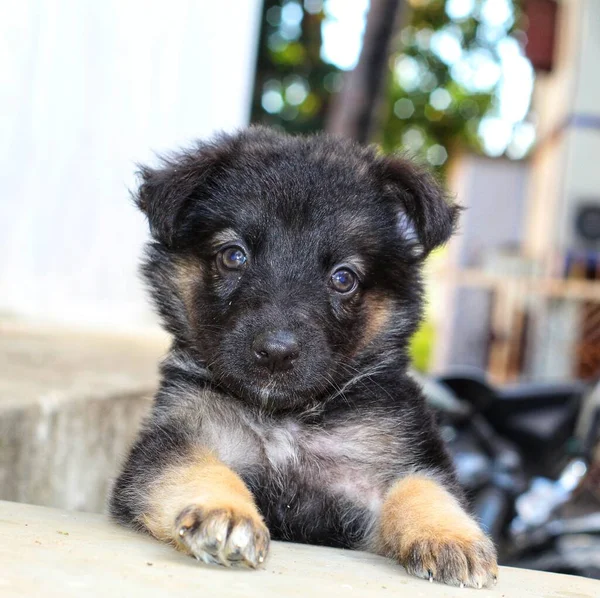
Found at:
(88, 88)
(70, 406)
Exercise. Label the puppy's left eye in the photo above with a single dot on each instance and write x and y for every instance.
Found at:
(232, 258)
(344, 280)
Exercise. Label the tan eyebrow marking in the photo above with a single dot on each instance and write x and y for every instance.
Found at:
(358, 264)
(227, 235)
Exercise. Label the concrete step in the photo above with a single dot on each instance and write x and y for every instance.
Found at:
(60, 554)
(70, 404)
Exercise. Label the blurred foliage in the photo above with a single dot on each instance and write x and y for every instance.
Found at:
(445, 74)
(421, 346)
(293, 83)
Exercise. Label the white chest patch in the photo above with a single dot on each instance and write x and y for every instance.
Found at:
(281, 445)
(343, 463)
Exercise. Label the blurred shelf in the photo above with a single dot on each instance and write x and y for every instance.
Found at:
(579, 290)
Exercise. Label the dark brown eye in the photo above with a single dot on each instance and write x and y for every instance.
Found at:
(233, 258)
(343, 280)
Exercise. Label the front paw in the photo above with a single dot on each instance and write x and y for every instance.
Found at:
(222, 536)
(455, 559)
(425, 527)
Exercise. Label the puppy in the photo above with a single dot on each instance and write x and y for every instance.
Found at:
(287, 270)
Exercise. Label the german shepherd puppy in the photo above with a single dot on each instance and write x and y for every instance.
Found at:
(288, 270)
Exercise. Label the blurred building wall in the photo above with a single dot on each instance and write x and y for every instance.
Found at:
(493, 191)
(582, 181)
(565, 175)
(511, 328)
(565, 163)
(88, 88)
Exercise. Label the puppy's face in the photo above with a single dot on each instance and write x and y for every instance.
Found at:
(288, 265)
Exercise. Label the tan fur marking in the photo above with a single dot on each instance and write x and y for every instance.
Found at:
(203, 481)
(227, 235)
(425, 528)
(378, 309)
(188, 273)
(417, 508)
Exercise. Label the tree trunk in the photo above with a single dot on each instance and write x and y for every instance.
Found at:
(354, 110)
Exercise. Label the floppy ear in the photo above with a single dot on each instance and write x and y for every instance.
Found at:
(168, 192)
(426, 216)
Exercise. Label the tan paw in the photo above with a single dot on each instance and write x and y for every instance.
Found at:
(222, 536)
(426, 528)
(456, 561)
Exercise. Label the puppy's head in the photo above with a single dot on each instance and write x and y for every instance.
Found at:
(289, 264)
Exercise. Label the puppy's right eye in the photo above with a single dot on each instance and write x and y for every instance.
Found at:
(344, 280)
(232, 258)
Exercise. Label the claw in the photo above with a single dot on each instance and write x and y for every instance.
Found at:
(462, 585)
(235, 556)
(206, 539)
(430, 576)
(210, 560)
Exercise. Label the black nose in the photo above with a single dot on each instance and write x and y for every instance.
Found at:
(276, 350)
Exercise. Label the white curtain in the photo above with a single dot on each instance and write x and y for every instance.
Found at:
(87, 88)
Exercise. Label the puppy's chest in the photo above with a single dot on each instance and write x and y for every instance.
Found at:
(347, 462)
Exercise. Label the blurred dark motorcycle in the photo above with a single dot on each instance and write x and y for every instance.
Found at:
(525, 455)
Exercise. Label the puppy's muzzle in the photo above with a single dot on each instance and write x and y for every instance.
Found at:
(276, 350)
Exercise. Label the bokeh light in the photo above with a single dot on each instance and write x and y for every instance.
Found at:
(440, 99)
(342, 31)
(404, 108)
(460, 75)
(459, 10)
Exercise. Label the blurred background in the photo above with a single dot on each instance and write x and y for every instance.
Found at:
(500, 97)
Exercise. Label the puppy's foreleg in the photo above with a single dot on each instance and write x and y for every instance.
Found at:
(425, 528)
(205, 509)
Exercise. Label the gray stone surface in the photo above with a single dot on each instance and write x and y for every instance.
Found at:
(53, 553)
(70, 404)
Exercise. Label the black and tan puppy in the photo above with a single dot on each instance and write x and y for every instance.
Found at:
(287, 270)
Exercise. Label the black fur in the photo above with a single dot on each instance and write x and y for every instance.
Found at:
(319, 444)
